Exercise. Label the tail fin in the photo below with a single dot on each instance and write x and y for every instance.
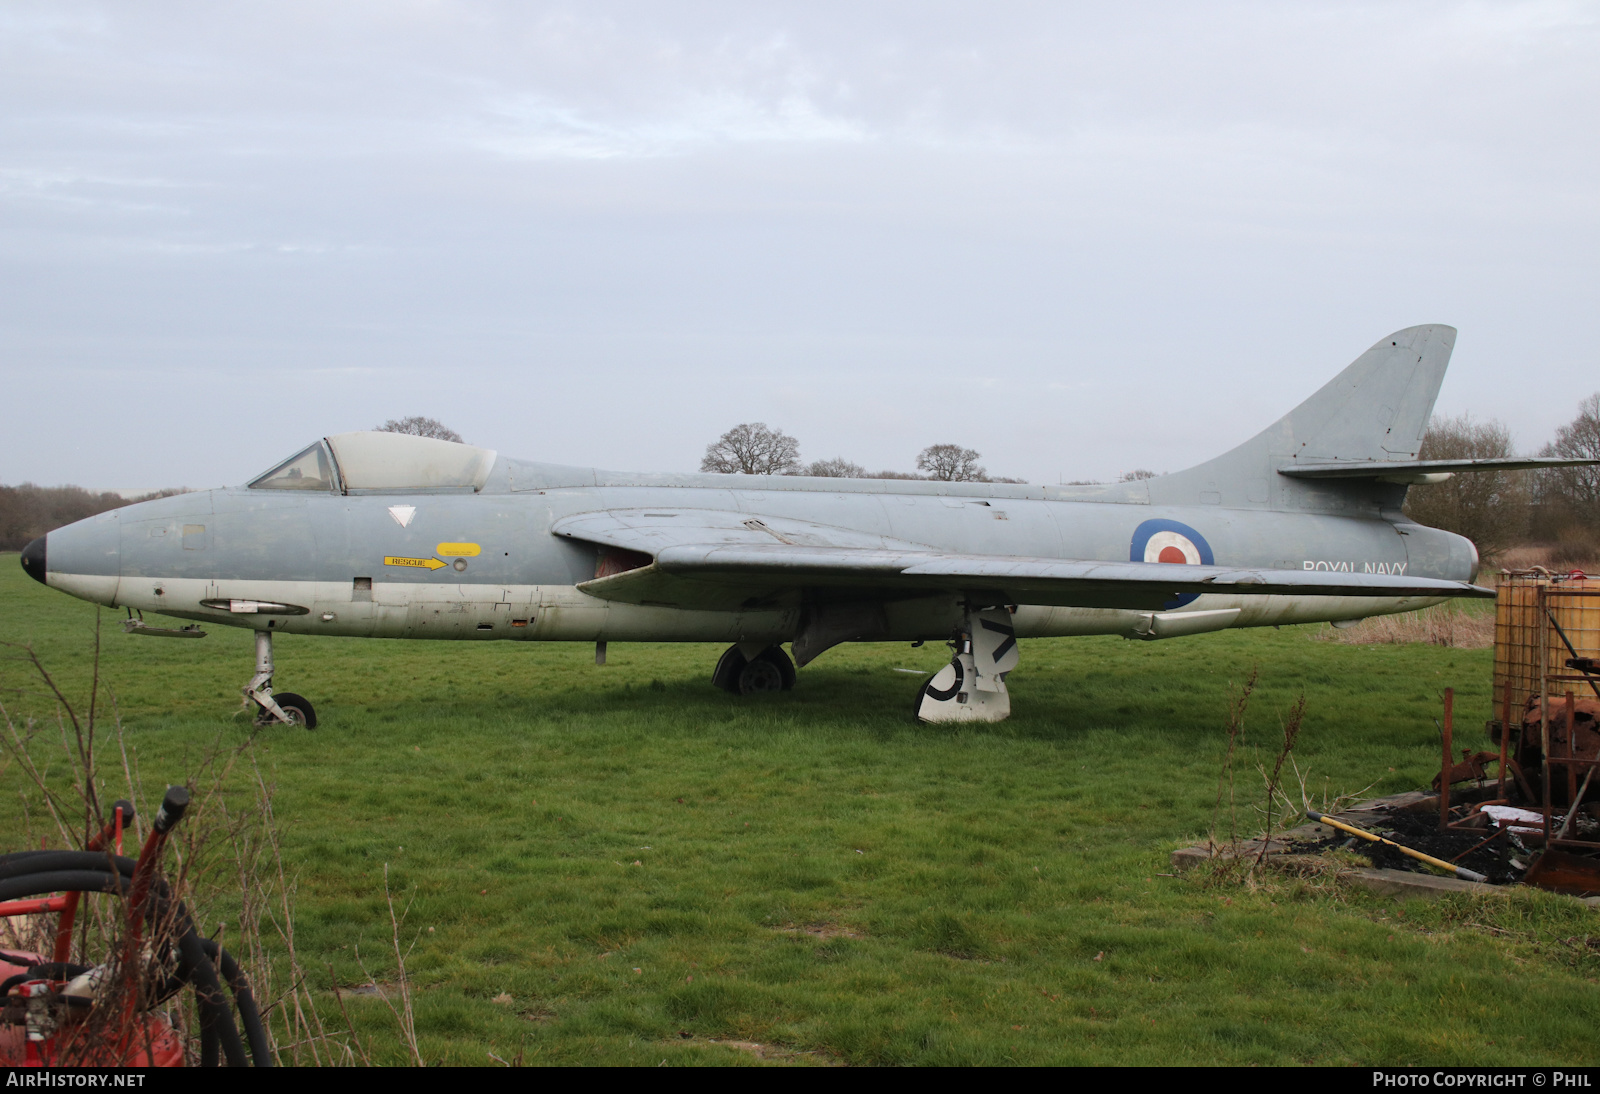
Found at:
(1376, 409)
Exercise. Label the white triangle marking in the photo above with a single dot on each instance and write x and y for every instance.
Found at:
(402, 514)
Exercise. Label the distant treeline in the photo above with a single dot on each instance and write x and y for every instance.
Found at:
(1502, 510)
(28, 511)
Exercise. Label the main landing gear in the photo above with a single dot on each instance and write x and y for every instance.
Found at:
(972, 687)
(281, 708)
(748, 668)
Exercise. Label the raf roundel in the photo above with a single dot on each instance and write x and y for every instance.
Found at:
(1174, 542)
(1172, 547)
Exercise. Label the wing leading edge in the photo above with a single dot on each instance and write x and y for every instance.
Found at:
(720, 561)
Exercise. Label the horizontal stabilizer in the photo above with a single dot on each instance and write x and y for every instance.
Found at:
(1409, 470)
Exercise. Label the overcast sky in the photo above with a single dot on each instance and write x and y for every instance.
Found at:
(1078, 238)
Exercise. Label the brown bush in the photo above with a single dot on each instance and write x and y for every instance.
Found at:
(1444, 625)
(1575, 550)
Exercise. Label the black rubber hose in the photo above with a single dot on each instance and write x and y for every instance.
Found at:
(194, 967)
(249, 1015)
(208, 1045)
(24, 863)
(41, 884)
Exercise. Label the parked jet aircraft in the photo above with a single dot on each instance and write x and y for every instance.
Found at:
(386, 535)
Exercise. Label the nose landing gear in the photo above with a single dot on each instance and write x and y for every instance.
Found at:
(282, 708)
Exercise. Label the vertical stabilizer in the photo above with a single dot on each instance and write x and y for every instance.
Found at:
(1376, 409)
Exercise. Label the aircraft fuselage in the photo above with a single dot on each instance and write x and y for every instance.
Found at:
(485, 565)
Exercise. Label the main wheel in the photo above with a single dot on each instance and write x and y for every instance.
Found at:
(776, 655)
(941, 687)
(297, 707)
(738, 676)
(762, 674)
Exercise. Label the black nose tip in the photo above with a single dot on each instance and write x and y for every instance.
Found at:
(33, 560)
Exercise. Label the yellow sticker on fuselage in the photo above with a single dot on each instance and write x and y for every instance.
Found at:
(459, 550)
(418, 563)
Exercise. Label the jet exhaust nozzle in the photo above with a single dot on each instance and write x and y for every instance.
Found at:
(33, 560)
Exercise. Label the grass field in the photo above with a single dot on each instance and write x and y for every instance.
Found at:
(623, 865)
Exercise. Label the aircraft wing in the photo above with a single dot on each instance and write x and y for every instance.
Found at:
(712, 560)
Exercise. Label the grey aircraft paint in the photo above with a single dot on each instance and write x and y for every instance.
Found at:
(1300, 523)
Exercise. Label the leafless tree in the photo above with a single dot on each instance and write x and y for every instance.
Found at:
(1489, 508)
(951, 463)
(1570, 496)
(836, 468)
(418, 426)
(1136, 475)
(752, 448)
(29, 511)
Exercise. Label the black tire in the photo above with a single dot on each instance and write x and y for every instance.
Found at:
(762, 674)
(297, 707)
(776, 655)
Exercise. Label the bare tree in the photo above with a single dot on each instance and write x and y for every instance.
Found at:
(951, 463)
(418, 426)
(1136, 475)
(752, 448)
(29, 511)
(1570, 496)
(1490, 508)
(836, 468)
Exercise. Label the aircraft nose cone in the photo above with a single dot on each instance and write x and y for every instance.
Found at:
(33, 560)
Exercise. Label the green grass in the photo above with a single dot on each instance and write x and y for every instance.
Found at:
(992, 894)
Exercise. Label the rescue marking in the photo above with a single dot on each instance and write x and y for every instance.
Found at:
(415, 563)
(463, 550)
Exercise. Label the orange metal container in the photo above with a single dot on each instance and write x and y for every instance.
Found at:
(1528, 650)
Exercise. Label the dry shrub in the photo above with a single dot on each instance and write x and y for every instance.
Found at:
(1444, 625)
(1575, 550)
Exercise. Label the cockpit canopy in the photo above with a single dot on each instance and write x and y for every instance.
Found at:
(388, 463)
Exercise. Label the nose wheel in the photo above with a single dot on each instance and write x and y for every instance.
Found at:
(280, 708)
(296, 710)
